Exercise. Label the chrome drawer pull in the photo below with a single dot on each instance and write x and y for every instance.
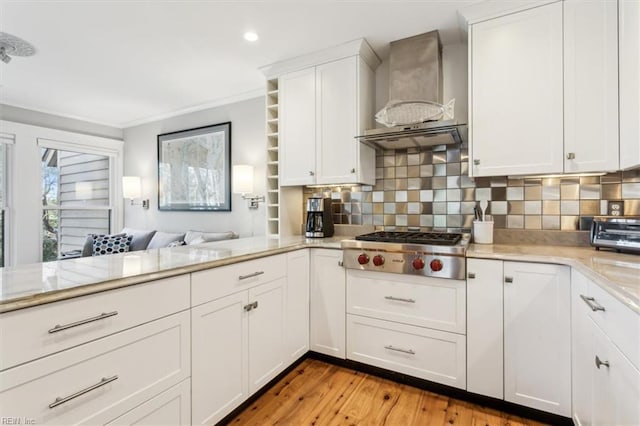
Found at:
(251, 306)
(599, 362)
(406, 351)
(508, 279)
(102, 382)
(399, 299)
(255, 274)
(592, 303)
(471, 275)
(84, 321)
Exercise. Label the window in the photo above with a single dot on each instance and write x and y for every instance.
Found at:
(3, 174)
(76, 200)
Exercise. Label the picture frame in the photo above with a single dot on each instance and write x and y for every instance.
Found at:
(194, 169)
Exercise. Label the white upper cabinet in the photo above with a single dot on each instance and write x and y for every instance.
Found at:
(297, 120)
(325, 101)
(591, 86)
(629, 19)
(516, 93)
(544, 89)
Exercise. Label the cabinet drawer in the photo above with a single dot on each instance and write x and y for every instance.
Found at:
(423, 301)
(620, 323)
(32, 333)
(219, 282)
(96, 382)
(428, 354)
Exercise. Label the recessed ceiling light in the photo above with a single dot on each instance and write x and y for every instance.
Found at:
(250, 36)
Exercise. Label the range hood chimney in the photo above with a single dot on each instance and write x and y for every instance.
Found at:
(415, 74)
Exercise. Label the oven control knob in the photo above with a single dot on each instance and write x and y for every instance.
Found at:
(436, 265)
(378, 260)
(363, 259)
(418, 263)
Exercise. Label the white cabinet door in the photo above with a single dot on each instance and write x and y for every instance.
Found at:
(582, 352)
(591, 85)
(537, 340)
(485, 328)
(327, 311)
(297, 315)
(297, 127)
(266, 333)
(171, 408)
(337, 119)
(629, 11)
(219, 357)
(516, 93)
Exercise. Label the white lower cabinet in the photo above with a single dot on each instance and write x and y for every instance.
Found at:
(605, 383)
(417, 351)
(99, 381)
(537, 336)
(327, 297)
(171, 408)
(297, 313)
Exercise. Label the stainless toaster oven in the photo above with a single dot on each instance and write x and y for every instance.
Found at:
(621, 233)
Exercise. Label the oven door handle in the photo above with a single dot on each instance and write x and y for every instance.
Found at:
(399, 299)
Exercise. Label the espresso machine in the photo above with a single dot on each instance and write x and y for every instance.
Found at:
(319, 218)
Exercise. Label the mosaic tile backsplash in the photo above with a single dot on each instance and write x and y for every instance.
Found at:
(425, 189)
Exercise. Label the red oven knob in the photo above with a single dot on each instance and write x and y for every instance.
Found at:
(418, 263)
(363, 259)
(436, 265)
(378, 260)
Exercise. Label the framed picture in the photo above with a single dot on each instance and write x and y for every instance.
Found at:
(194, 169)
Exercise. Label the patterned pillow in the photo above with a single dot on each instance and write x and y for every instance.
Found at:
(177, 243)
(110, 244)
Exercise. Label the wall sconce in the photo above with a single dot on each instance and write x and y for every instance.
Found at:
(242, 182)
(132, 188)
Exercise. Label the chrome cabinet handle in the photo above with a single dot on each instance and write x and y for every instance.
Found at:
(592, 303)
(255, 274)
(102, 382)
(311, 173)
(251, 306)
(571, 156)
(476, 162)
(508, 279)
(340, 263)
(471, 275)
(353, 170)
(599, 362)
(82, 322)
(406, 351)
(399, 299)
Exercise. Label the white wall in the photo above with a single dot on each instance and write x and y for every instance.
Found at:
(248, 146)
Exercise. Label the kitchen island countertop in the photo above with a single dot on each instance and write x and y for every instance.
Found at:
(34, 284)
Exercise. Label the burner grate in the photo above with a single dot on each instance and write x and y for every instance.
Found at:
(434, 238)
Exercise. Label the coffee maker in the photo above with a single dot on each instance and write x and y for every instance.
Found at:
(319, 218)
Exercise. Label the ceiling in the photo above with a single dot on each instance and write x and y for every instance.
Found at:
(122, 63)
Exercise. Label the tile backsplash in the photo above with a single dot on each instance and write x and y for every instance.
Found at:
(423, 189)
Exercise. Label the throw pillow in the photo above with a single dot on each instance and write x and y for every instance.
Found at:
(209, 236)
(177, 243)
(87, 248)
(111, 244)
(141, 238)
(162, 239)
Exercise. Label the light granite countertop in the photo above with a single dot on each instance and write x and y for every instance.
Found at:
(616, 273)
(34, 284)
(38, 283)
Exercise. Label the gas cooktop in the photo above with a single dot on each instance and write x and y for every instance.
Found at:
(432, 238)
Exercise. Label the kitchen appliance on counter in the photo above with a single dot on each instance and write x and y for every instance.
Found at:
(429, 254)
(319, 222)
(621, 233)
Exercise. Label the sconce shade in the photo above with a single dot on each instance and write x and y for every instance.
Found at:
(242, 179)
(131, 187)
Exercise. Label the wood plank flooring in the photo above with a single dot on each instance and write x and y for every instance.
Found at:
(318, 394)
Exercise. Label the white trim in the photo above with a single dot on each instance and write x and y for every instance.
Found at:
(252, 94)
(62, 114)
(485, 10)
(7, 138)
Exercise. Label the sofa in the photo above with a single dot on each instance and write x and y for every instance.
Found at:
(130, 239)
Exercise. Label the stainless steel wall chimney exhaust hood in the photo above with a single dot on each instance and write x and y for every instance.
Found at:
(415, 74)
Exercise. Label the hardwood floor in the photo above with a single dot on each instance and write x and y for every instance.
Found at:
(318, 394)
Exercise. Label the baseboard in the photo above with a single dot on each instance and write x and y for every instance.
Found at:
(497, 404)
